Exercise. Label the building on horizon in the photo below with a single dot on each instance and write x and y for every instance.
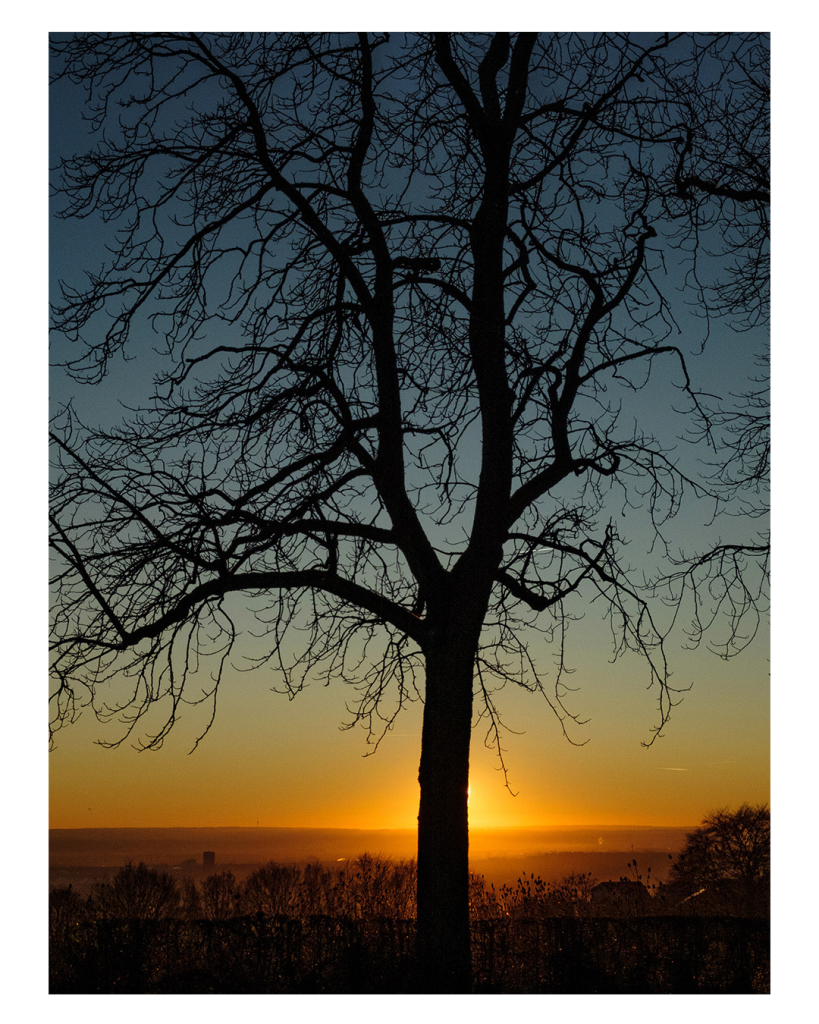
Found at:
(208, 859)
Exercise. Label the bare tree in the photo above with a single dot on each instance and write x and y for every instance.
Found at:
(728, 844)
(406, 290)
(220, 896)
(728, 858)
(138, 892)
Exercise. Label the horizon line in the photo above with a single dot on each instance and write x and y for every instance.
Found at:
(350, 828)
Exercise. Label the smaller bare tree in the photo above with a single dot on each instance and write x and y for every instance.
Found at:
(729, 857)
(138, 892)
(728, 844)
(220, 896)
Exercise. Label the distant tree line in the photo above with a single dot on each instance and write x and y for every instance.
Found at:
(309, 929)
(374, 886)
(291, 928)
(724, 868)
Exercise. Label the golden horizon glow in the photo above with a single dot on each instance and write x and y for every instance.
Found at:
(287, 764)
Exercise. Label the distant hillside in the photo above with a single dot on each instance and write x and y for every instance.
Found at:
(593, 839)
(115, 846)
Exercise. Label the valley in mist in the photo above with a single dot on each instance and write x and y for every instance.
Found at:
(500, 855)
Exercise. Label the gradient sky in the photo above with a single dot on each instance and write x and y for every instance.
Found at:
(287, 763)
(283, 762)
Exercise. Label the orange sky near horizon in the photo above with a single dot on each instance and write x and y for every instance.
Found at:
(287, 763)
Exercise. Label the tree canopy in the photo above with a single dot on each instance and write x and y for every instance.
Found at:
(728, 845)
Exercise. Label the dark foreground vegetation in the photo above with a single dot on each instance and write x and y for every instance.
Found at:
(290, 929)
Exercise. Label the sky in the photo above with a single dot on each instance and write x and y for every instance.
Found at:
(274, 762)
(271, 761)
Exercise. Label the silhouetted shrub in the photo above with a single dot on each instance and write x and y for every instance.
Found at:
(220, 896)
(137, 893)
(725, 865)
(533, 898)
(376, 887)
(371, 886)
(190, 899)
(271, 890)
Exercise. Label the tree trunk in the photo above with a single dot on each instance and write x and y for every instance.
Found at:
(443, 831)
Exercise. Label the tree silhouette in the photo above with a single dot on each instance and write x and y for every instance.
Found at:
(728, 844)
(731, 847)
(407, 290)
(138, 892)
